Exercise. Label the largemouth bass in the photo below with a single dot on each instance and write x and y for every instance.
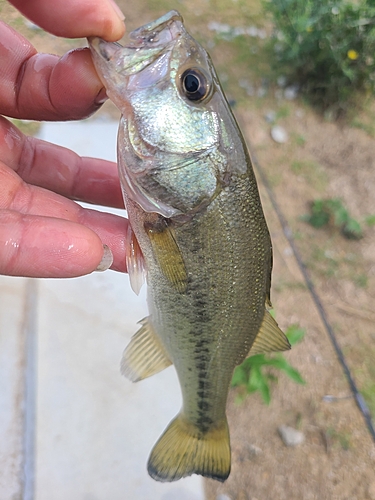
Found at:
(198, 231)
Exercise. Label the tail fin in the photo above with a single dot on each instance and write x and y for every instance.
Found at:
(184, 450)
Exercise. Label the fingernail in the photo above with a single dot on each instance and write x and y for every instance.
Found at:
(101, 97)
(117, 9)
(107, 259)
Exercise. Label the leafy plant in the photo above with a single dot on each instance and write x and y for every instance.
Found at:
(342, 438)
(327, 48)
(370, 220)
(332, 211)
(258, 372)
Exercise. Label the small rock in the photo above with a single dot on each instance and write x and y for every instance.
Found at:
(238, 31)
(252, 31)
(254, 450)
(279, 134)
(281, 81)
(250, 90)
(261, 91)
(270, 116)
(245, 84)
(219, 27)
(223, 496)
(262, 34)
(290, 436)
(288, 251)
(246, 452)
(278, 47)
(291, 92)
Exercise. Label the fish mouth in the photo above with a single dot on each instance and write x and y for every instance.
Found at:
(147, 43)
(162, 31)
(104, 49)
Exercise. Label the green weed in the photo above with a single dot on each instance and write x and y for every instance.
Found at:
(328, 260)
(365, 374)
(256, 373)
(332, 212)
(361, 280)
(370, 220)
(368, 391)
(311, 171)
(299, 139)
(282, 112)
(343, 438)
(324, 261)
(366, 127)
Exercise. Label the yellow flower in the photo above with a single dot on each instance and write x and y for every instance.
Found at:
(309, 29)
(352, 54)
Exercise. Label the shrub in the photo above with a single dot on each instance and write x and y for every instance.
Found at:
(328, 48)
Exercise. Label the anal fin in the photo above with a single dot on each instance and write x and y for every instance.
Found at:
(270, 338)
(145, 355)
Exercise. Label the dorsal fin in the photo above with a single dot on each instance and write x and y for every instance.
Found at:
(270, 338)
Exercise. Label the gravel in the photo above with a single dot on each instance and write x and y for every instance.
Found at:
(290, 436)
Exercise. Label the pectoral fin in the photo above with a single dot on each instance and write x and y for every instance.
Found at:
(167, 253)
(134, 261)
(270, 338)
(145, 355)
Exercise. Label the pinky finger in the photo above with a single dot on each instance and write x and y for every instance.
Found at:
(45, 247)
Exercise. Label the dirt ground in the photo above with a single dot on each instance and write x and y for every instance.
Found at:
(337, 459)
(319, 160)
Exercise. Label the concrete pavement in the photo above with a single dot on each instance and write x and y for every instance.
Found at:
(71, 427)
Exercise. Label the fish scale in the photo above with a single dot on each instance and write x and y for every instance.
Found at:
(175, 135)
(197, 227)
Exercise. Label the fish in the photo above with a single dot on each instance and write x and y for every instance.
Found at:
(197, 234)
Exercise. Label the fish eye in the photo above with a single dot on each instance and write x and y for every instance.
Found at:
(194, 84)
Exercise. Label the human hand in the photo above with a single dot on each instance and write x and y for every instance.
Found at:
(43, 233)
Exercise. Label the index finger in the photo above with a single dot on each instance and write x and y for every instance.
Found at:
(75, 18)
(59, 169)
